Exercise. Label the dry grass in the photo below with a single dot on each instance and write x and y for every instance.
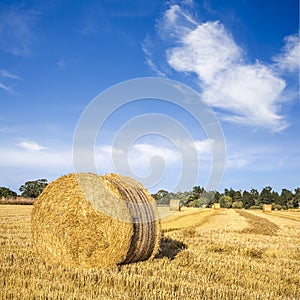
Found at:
(258, 225)
(291, 215)
(185, 219)
(17, 201)
(216, 262)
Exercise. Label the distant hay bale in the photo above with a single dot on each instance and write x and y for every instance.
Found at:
(216, 206)
(267, 207)
(95, 221)
(175, 205)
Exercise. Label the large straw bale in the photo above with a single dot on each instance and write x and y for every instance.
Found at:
(267, 207)
(95, 221)
(175, 205)
(216, 206)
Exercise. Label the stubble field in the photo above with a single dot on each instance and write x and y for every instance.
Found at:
(205, 254)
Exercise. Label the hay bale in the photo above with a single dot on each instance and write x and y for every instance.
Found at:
(175, 205)
(267, 207)
(216, 206)
(95, 221)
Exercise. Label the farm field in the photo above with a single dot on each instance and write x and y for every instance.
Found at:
(205, 254)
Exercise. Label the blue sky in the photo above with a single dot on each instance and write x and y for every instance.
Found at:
(242, 57)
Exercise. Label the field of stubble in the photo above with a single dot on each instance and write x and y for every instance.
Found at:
(205, 254)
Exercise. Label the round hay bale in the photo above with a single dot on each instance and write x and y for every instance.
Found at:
(95, 221)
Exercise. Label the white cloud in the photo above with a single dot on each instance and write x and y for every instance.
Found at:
(206, 51)
(141, 153)
(28, 157)
(31, 146)
(109, 150)
(21, 165)
(204, 146)
(245, 93)
(250, 93)
(237, 161)
(289, 58)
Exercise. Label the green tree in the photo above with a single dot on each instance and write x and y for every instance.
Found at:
(182, 196)
(225, 201)
(286, 198)
(7, 193)
(296, 199)
(197, 192)
(237, 204)
(248, 199)
(194, 196)
(216, 197)
(266, 195)
(229, 193)
(255, 195)
(160, 194)
(32, 189)
(237, 196)
(275, 198)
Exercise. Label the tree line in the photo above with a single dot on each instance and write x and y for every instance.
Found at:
(197, 197)
(30, 189)
(230, 198)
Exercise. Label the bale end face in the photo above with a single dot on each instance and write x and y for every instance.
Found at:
(267, 207)
(216, 206)
(175, 205)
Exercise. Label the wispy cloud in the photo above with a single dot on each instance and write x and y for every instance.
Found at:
(289, 58)
(147, 46)
(31, 146)
(5, 87)
(245, 93)
(16, 30)
(6, 74)
(61, 63)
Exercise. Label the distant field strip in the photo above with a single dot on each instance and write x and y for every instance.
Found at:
(295, 216)
(193, 218)
(258, 225)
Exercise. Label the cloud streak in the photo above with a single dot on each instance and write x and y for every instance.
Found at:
(6, 74)
(5, 87)
(31, 146)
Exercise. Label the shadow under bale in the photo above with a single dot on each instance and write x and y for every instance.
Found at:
(169, 248)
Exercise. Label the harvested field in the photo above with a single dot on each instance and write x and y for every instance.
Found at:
(258, 225)
(215, 261)
(292, 215)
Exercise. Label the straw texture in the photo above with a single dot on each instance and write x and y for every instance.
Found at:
(95, 221)
(267, 207)
(175, 205)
